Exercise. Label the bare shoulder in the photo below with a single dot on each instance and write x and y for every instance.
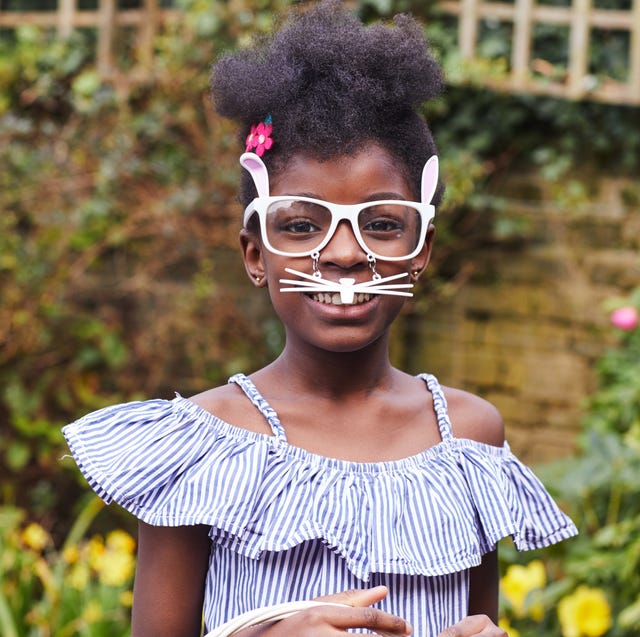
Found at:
(217, 396)
(474, 417)
(229, 403)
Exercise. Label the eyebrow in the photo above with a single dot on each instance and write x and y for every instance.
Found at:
(378, 196)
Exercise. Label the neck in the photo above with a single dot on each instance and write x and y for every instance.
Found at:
(334, 374)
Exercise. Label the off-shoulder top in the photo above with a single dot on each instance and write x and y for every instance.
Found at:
(287, 524)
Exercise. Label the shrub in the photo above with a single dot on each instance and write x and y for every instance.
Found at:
(596, 576)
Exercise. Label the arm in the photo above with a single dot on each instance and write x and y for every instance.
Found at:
(483, 590)
(479, 420)
(170, 578)
(483, 603)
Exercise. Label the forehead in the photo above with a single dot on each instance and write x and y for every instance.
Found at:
(344, 179)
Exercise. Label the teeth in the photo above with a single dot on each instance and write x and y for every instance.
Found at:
(334, 299)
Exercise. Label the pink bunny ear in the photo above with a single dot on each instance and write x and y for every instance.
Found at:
(429, 179)
(258, 171)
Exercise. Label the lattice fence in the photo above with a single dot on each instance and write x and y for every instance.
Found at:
(576, 77)
(107, 19)
(579, 77)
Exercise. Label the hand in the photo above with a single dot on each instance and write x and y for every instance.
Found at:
(474, 626)
(324, 621)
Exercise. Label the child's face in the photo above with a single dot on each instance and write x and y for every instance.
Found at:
(369, 175)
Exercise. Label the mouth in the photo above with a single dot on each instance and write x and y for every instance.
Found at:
(335, 298)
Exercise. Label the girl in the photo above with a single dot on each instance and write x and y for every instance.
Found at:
(329, 473)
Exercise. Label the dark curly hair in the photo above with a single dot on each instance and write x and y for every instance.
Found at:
(331, 83)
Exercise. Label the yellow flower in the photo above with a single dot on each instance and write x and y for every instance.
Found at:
(121, 541)
(70, 554)
(584, 613)
(506, 626)
(116, 568)
(126, 599)
(78, 577)
(95, 552)
(35, 537)
(519, 581)
(92, 612)
(113, 560)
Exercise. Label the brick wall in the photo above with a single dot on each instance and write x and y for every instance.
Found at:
(525, 331)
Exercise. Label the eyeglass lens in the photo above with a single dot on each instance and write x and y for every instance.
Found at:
(388, 230)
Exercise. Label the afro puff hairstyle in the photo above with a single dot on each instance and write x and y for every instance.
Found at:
(331, 84)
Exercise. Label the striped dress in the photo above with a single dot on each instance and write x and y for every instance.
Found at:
(287, 524)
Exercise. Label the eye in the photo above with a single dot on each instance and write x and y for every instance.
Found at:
(300, 226)
(385, 219)
(299, 217)
(383, 224)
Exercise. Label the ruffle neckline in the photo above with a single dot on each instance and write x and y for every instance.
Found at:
(303, 455)
(174, 463)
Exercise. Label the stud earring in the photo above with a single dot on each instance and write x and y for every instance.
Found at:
(415, 274)
(257, 278)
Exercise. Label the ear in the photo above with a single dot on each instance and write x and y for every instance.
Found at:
(420, 262)
(252, 257)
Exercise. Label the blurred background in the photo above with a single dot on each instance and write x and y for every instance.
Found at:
(120, 277)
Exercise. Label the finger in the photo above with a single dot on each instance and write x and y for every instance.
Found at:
(357, 597)
(474, 626)
(372, 619)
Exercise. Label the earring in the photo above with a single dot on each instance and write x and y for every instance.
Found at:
(415, 274)
(257, 278)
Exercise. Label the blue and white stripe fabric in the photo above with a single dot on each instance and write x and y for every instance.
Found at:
(287, 524)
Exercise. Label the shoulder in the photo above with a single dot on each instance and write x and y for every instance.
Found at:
(474, 417)
(220, 400)
(230, 404)
(216, 396)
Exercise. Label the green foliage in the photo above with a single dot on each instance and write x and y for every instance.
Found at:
(119, 275)
(81, 588)
(599, 489)
(118, 217)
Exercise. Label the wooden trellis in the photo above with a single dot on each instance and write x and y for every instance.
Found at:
(581, 18)
(522, 74)
(105, 19)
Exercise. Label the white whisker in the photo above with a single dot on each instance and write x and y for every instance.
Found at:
(346, 287)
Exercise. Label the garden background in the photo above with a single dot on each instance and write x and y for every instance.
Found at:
(119, 280)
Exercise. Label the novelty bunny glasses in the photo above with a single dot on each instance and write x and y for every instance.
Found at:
(389, 230)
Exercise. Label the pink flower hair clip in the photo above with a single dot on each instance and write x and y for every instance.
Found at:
(259, 139)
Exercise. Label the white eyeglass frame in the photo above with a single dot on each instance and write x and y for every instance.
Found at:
(339, 212)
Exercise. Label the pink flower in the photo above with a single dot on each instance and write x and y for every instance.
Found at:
(626, 318)
(259, 139)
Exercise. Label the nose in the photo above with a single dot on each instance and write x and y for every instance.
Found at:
(343, 249)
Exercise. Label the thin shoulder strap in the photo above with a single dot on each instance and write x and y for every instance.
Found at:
(439, 406)
(252, 393)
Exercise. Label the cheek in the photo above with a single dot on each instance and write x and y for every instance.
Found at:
(286, 305)
(274, 266)
(274, 269)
